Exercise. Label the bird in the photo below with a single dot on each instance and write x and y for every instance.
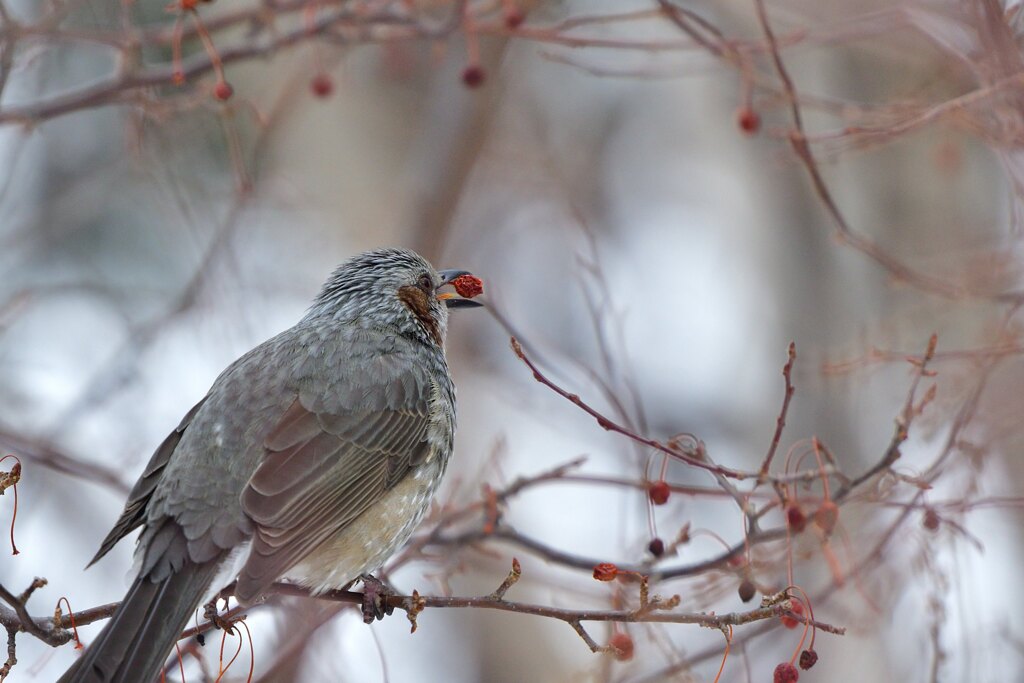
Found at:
(311, 459)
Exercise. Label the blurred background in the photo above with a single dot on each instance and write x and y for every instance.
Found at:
(655, 246)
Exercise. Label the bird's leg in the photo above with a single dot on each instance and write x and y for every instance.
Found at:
(375, 594)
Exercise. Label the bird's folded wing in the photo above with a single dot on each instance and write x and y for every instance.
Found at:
(325, 467)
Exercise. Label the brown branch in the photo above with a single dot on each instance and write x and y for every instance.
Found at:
(682, 18)
(577, 626)
(846, 234)
(780, 422)
(705, 619)
(901, 432)
(42, 629)
(119, 89)
(877, 355)
(12, 658)
(611, 426)
(570, 616)
(586, 564)
(655, 611)
(43, 453)
(691, 458)
(510, 580)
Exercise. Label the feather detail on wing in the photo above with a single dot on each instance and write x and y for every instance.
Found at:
(323, 469)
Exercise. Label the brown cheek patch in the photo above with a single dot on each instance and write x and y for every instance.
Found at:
(417, 301)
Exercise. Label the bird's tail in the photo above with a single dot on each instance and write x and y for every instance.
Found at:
(136, 642)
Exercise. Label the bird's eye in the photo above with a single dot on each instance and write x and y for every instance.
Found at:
(426, 283)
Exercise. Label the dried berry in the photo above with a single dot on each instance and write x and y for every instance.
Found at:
(786, 673)
(747, 590)
(622, 646)
(322, 86)
(658, 492)
(808, 658)
(474, 76)
(748, 120)
(468, 286)
(796, 518)
(931, 520)
(797, 609)
(223, 90)
(606, 571)
(826, 516)
(657, 547)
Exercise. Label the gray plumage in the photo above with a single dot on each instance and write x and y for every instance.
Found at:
(312, 458)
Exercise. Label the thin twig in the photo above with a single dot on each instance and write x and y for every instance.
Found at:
(780, 422)
(27, 623)
(609, 425)
(901, 432)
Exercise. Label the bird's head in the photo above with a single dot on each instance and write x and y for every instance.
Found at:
(395, 288)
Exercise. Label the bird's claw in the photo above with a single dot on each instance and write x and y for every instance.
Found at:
(375, 594)
(211, 614)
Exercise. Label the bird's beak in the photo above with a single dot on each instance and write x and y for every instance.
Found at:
(452, 299)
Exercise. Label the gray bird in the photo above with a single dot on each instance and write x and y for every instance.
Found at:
(312, 458)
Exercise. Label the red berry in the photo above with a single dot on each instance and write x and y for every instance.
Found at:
(657, 547)
(931, 520)
(223, 90)
(658, 492)
(808, 658)
(474, 76)
(786, 673)
(798, 609)
(468, 286)
(322, 85)
(748, 120)
(622, 645)
(796, 518)
(514, 18)
(606, 571)
(747, 590)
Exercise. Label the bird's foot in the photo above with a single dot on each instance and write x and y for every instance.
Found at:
(211, 614)
(375, 595)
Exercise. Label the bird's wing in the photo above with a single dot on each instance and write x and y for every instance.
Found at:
(135, 508)
(336, 449)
